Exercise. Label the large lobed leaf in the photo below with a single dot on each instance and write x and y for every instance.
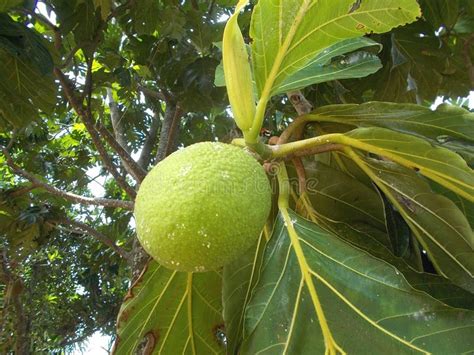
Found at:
(438, 223)
(336, 201)
(287, 35)
(343, 60)
(26, 82)
(361, 296)
(239, 279)
(172, 312)
(448, 126)
(439, 164)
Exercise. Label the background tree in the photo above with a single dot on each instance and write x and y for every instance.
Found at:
(100, 91)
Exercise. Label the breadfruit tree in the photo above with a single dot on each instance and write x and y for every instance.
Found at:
(331, 210)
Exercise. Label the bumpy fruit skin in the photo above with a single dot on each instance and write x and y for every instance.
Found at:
(202, 207)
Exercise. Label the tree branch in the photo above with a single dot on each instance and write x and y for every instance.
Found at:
(86, 117)
(130, 165)
(97, 201)
(116, 119)
(150, 141)
(169, 131)
(82, 228)
(299, 102)
(14, 289)
(153, 94)
(467, 58)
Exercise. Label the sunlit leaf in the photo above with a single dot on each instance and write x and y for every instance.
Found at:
(287, 35)
(363, 298)
(442, 125)
(448, 126)
(335, 63)
(439, 164)
(172, 312)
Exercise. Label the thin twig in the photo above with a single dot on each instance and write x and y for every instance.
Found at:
(171, 142)
(82, 228)
(22, 191)
(96, 201)
(86, 117)
(288, 132)
(152, 93)
(130, 165)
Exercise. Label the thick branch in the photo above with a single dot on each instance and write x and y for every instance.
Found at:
(150, 141)
(82, 228)
(22, 190)
(117, 124)
(97, 201)
(14, 289)
(88, 122)
(169, 131)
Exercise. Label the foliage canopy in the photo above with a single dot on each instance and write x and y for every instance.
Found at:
(371, 225)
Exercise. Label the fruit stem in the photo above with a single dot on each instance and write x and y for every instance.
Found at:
(263, 150)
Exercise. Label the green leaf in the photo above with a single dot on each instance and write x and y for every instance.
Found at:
(341, 198)
(334, 63)
(363, 298)
(7, 4)
(439, 225)
(287, 35)
(23, 91)
(440, 12)
(372, 241)
(443, 124)
(448, 126)
(176, 312)
(87, 22)
(239, 279)
(24, 43)
(439, 164)
(424, 56)
(466, 207)
(105, 7)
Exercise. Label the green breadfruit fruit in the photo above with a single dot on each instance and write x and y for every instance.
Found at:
(202, 207)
